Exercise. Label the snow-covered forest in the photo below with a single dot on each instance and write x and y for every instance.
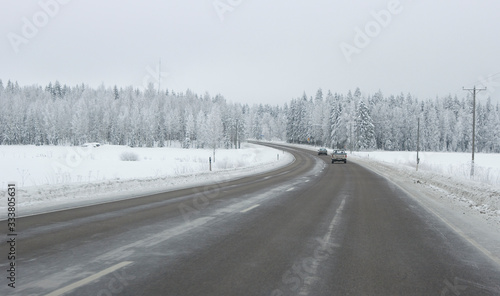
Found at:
(62, 115)
(390, 122)
(72, 115)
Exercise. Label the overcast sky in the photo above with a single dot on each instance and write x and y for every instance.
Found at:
(256, 51)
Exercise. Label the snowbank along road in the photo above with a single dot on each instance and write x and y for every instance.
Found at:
(310, 228)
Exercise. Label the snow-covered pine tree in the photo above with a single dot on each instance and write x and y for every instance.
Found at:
(493, 127)
(190, 129)
(364, 128)
(116, 94)
(317, 118)
(326, 119)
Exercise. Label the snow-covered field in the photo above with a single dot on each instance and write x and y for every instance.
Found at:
(454, 164)
(49, 177)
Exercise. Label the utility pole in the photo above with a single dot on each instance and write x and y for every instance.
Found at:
(473, 91)
(418, 140)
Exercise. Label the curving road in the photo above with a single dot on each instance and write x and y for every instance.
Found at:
(311, 228)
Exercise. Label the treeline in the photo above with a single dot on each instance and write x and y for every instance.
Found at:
(72, 115)
(376, 121)
(63, 115)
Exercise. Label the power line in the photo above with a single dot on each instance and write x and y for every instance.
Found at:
(483, 79)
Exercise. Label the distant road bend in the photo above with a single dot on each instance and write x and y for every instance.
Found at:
(310, 228)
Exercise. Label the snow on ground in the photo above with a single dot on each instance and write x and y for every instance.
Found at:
(453, 164)
(54, 177)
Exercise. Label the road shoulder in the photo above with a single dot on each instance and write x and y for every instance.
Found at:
(479, 229)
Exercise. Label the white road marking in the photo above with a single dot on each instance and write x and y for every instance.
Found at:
(89, 279)
(250, 208)
(307, 181)
(309, 281)
(290, 189)
(334, 220)
(125, 251)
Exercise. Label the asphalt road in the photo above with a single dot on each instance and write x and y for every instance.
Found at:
(311, 228)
